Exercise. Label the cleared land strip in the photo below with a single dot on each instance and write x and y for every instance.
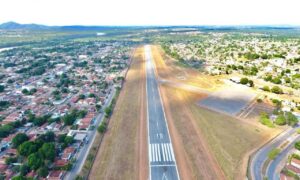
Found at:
(123, 154)
(160, 145)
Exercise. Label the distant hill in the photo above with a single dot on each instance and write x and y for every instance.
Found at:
(14, 25)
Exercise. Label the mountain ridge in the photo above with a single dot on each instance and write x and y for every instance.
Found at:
(11, 25)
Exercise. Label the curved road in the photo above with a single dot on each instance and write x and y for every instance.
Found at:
(259, 158)
(273, 168)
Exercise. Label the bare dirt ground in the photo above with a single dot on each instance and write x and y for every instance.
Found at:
(207, 144)
(189, 76)
(193, 157)
(123, 153)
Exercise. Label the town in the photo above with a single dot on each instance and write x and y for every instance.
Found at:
(52, 99)
(188, 102)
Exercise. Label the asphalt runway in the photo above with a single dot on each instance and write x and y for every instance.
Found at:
(162, 163)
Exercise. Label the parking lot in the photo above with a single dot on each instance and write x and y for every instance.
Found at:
(229, 101)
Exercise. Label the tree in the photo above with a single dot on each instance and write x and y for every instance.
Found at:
(24, 169)
(92, 95)
(65, 90)
(2, 88)
(266, 88)
(69, 140)
(265, 120)
(43, 172)
(280, 120)
(19, 139)
(287, 80)
(276, 80)
(81, 96)
(251, 83)
(27, 148)
(108, 111)
(268, 78)
(5, 130)
(277, 90)
(11, 160)
(79, 178)
(65, 140)
(61, 138)
(297, 145)
(25, 91)
(244, 81)
(35, 161)
(19, 178)
(259, 100)
(81, 114)
(98, 107)
(49, 136)
(291, 119)
(48, 151)
(4, 105)
(102, 128)
(69, 119)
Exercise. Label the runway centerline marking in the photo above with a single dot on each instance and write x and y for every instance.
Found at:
(162, 162)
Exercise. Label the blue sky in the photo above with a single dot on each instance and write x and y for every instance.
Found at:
(151, 12)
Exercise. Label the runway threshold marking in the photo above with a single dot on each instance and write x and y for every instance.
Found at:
(161, 152)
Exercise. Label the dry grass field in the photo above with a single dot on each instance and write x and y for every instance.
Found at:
(168, 70)
(123, 153)
(216, 146)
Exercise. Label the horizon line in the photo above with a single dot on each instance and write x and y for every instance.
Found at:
(160, 25)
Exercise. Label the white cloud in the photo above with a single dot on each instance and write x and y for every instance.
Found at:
(151, 12)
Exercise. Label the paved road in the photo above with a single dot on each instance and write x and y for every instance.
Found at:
(273, 170)
(83, 152)
(162, 163)
(261, 155)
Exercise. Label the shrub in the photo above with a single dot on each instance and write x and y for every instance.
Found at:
(277, 90)
(102, 127)
(259, 100)
(244, 81)
(280, 120)
(266, 88)
(297, 145)
(273, 153)
(265, 120)
(291, 119)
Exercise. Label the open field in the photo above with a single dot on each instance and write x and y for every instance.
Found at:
(123, 154)
(168, 70)
(213, 145)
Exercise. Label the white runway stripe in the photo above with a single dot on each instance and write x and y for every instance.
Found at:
(172, 152)
(161, 152)
(166, 149)
(158, 150)
(169, 153)
(164, 153)
(153, 152)
(150, 152)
